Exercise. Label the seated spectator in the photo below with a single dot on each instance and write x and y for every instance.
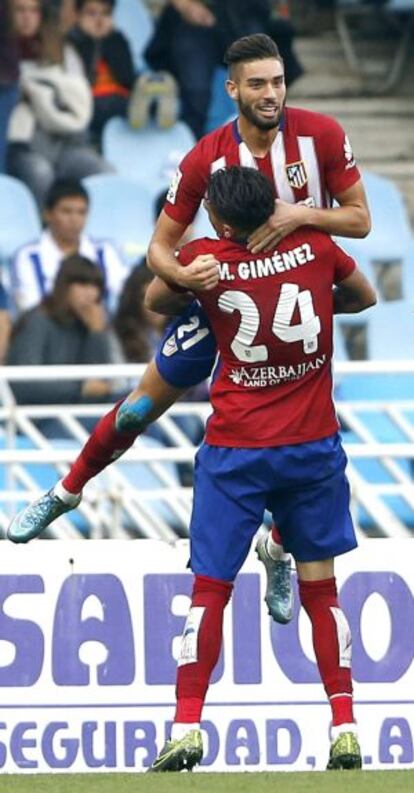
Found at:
(68, 327)
(138, 329)
(35, 265)
(9, 75)
(190, 40)
(106, 58)
(48, 127)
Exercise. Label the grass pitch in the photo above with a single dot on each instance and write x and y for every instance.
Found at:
(313, 782)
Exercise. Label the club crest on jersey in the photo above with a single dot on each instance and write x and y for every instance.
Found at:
(296, 174)
(170, 347)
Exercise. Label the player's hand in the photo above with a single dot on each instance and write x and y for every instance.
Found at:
(195, 13)
(285, 219)
(202, 274)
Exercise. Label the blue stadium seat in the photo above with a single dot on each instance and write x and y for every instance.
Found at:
(385, 387)
(19, 218)
(142, 477)
(391, 232)
(407, 272)
(340, 351)
(135, 22)
(221, 106)
(122, 211)
(391, 331)
(149, 155)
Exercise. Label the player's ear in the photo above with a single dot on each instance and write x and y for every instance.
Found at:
(232, 90)
(227, 231)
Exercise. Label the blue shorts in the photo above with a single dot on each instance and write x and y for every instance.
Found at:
(304, 487)
(187, 351)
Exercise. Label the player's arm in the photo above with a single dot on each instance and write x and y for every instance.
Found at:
(350, 219)
(201, 274)
(353, 294)
(183, 200)
(163, 299)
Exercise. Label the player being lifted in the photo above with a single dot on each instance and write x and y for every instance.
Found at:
(271, 442)
(309, 160)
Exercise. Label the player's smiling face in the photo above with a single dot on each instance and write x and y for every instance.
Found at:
(259, 89)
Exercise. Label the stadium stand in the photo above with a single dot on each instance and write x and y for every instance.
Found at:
(149, 155)
(122, 206)
(135, 22)
(20, 220)
(122, 209)
(395, 15)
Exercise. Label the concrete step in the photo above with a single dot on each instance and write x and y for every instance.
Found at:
(348, 106)
(328, 73)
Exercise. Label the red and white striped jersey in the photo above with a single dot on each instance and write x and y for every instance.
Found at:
(311, 158)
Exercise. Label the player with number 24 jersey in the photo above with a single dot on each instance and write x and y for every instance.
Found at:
(272, 314)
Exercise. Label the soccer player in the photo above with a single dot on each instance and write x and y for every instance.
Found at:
(309, 160)
(272, 441)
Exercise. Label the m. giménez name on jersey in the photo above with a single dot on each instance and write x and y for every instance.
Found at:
(269, 265)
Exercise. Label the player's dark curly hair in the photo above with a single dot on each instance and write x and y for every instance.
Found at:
(242, 197)
(256, 47)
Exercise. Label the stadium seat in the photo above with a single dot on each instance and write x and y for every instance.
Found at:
(407, 272)
(19, 218)
(135, 21)
(391, 331)
(340, 351)
(142, 477)
(221, 106)
(122, 211)
(149, 155)
(390, 235)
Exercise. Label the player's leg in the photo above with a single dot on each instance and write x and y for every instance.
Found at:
(312, 512)
(278, 564)
(332, 643)
(228, 509)
(185, 357)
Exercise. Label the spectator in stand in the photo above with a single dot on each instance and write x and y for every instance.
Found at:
(48, 126)
(192, 36)
(106, 58)
(138, 329)
(9, 75)
(35, 265)
(67, 327)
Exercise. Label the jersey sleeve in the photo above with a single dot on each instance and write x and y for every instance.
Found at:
(340, 168)
(187, 187)
(344, 264)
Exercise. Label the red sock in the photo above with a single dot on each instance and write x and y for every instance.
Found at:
(199, 654)
(332, 644)
(100, 450)
(275, 535)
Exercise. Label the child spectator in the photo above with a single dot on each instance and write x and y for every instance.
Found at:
(107, 60)
(48, 126)
(67, 327)
(35, 265)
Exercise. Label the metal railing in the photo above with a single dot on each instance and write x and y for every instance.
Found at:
(142, 495)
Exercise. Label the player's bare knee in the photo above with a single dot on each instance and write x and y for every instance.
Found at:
(134, 414)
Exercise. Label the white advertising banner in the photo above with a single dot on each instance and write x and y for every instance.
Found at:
(89, 635)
